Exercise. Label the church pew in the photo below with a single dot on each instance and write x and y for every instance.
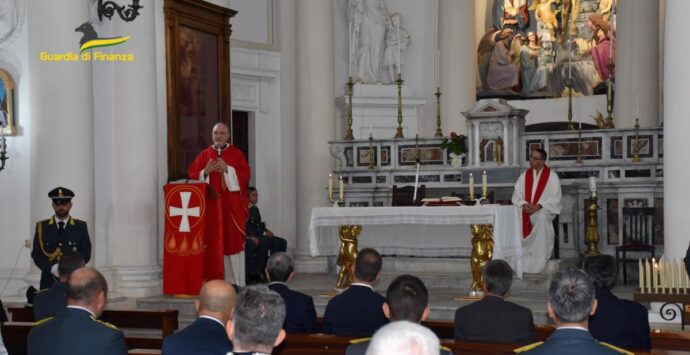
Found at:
(163, 320)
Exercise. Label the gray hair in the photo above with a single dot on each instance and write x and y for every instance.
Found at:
(258, 317)
(498, 277)
(404, 338)
(571, 295)
(279, 267)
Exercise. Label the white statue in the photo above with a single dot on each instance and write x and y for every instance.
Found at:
(368, 20)
(397, 40)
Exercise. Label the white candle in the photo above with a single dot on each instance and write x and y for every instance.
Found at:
(471, 185)
(647, 276)
(484, 184)
(399, 62)
(654, 275)
(611, 38)
(637, 106)
(570, 65)
(672, 279)
(438, 68)
(662, 274)
(641, 275)
(592, 183)
(349, 45)
(416, 181)
(330, 186)
(341, 193)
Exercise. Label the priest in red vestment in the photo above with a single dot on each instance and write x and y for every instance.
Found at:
(538, 194)
(226, 169)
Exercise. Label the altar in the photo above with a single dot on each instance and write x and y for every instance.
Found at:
(419, 231)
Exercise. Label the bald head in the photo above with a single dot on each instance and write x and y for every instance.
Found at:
(86, 287)
(216, 299)
(221, 134)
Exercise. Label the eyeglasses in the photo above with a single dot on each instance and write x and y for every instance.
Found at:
(535, 158)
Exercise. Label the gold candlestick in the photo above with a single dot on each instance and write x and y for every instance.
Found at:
(592, 231)
(609, 96)
(371, 151)
(439, 132)
(399, 132)
(636, 146)
(348, 135)
(579, 146)
(571, 126)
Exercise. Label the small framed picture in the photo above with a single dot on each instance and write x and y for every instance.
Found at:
(7, 104)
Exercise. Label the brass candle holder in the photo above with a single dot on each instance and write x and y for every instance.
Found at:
(399, 131)
(592, 231)
(335, 202)
(571, 126)
(348, 135)
(439, 132)
(579, 146)
(636, 146)
(609, 96)
(371, 151)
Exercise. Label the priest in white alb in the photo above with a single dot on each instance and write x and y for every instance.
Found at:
(538, 195)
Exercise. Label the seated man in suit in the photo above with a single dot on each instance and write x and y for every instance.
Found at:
(76, 330)
(493, 319)
(358, 311)
(207, 334)
(404, 338)
(51, 301)
(618, 322)
(256, 321)
(260, 240)
(571, 302)
(406, 299)
(300, 312)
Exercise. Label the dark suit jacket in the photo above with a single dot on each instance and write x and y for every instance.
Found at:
(49, 302)
(47, 239)
(255, 226)
(619, 322)
(300, 314)
(493, 319)
(571, 342)
(355, 312)
(203, 337)
(361, 349)
(75, 332)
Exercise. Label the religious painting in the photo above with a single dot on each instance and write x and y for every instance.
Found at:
(7, 104)
(617, 147)
(540, 48)
(364, 154)
(612, 232)
(491, 150)
(570, 148)
(643, 144)
(533, 145)
(428, 154)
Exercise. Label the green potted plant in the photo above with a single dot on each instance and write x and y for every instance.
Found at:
(456, 147)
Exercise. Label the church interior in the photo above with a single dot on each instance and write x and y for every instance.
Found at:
(345, 110)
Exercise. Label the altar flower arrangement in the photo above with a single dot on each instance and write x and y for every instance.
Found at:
(455, 144)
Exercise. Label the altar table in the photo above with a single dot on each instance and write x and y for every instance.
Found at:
(419, 231)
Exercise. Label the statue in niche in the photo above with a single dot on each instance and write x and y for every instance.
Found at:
(396, 35)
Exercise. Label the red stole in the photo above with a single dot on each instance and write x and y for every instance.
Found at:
(529, 181)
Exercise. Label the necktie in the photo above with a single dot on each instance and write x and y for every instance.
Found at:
(61, 227)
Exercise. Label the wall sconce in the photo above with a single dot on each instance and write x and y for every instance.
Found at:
(109, 7)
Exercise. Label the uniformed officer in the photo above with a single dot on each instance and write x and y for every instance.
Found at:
(59, 233)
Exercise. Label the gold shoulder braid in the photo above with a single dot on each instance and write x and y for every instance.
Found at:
(111, 326)
(528, 347)
(39, 322)
(51, 256)
(615, 348)
(361, 340)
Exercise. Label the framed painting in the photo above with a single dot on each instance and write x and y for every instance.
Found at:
(7, 104)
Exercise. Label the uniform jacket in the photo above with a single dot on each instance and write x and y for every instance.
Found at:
(49, 302)
(493, 319)
(300, 314)
(571, 342)
(75, 332)
(203, 337)
(355, 312)
(47, 240)
(255, 226)
(619, 322)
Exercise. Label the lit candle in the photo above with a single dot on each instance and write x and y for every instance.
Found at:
(662, 274)
(654, 275)
(641, 275)
(647, 276)
(672, 282)
(471, 185)
(399, 62)
(330, 186)
(484, 184)
(341, 193)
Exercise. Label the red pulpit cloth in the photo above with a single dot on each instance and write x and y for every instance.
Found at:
(192, 246)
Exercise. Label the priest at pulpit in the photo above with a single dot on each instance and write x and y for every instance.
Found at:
(225, 168)
(538, 194)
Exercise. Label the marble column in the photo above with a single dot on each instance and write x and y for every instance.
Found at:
(458, 62)
(127, 186)
(61, 112)
(315, 94)
(637, 63)
(676, 128)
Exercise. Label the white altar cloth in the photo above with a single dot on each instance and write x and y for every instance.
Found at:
(419, 231)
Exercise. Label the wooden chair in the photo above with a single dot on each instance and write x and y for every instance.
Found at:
(404, 196)
(638, 235)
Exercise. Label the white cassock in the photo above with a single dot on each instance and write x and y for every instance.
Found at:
(537, 247)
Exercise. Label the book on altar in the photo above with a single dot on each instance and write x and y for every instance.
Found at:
(450, 199)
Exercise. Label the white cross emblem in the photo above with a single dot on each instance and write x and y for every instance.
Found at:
(185, 211)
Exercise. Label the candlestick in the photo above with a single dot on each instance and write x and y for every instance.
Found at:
(341, 193)
(640, 274)
(662, 275)
(330, 186)
(484, 180)
(647, 276)
(471, 186)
